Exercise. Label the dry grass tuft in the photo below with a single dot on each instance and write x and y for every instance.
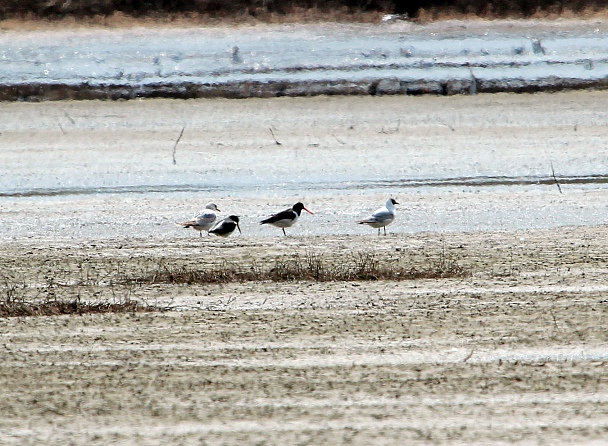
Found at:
(33, 14)
(13, 302)
(84, 287)
(59, 307)
(309, 267)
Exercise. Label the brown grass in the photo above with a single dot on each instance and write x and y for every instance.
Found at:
(119, 20)
(309, 267)
(13, 302)
(435, 14)
(57, 14)
(59, 307)
(83, 288)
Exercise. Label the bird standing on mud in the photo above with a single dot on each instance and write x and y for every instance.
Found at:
(226, 227)
(381, 217)
(204, 220)
(286, 218)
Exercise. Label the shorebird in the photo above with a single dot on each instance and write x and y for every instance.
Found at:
(204, 220)
(226, 227)
(236, 55)
(381, 217)
(286, 218)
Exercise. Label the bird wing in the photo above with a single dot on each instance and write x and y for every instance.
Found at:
(382, 214)
(287, 214)
(205, 217)
(216, 226)
(224, 226)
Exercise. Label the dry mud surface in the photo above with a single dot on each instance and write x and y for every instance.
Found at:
(513, 354)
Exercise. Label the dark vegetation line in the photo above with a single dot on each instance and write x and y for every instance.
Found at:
(309, 267)
(271, 9)
(59, 307)
(69, 295)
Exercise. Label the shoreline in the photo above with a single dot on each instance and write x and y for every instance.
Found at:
(294, 60)
(32, 92)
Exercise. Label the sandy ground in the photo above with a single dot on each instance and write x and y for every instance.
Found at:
(515, 353)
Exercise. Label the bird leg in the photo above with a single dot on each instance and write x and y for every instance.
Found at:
(284, 232)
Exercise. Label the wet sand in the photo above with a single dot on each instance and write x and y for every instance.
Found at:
(99, 170)
(515, 353)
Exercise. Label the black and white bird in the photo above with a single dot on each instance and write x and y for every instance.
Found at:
(204, 220)
(381, 217)
(226, 226)
(286, 218)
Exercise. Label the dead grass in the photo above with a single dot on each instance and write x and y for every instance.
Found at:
(59, 307)
(436, 14)
(79, 287)
(13, 301)
(35, 15)
(308, 267)
(120, 21)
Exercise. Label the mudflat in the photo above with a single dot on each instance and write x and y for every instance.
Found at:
(511, 350)
(512, 353)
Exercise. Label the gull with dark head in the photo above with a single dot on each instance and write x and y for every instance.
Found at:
(286, 218)
(381, 217)
(226, 227)
(204, 220)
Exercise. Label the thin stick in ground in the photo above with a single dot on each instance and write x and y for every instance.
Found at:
(555, 179)
(275, 139)
(176, 143)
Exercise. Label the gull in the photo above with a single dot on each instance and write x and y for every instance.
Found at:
(204, 220)
(226, 226)
(286, 218)
(381, 217)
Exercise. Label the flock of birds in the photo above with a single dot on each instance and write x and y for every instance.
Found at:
(206, 220)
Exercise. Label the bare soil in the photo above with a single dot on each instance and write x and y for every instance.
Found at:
(513, 354)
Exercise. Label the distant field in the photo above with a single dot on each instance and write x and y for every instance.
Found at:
(117, 12)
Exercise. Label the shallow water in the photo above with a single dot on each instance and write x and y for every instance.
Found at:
(498, 56)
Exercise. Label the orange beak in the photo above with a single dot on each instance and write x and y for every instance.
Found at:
(311, 213)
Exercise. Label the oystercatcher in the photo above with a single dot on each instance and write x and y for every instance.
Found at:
(286, 218)
(226, 227)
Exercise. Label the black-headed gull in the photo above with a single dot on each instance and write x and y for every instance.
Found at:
(286, 218)
(381, 217)
(204, 220)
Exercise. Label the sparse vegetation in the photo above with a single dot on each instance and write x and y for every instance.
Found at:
(14, 301)
(58, 307)
(308, 267)
(81, 287)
